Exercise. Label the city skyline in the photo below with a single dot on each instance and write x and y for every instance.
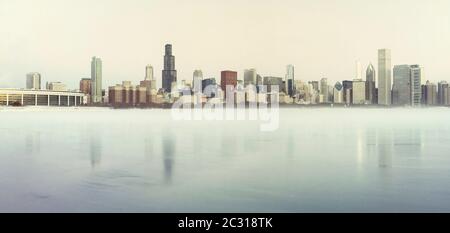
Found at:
(407, 88)
(327, 49)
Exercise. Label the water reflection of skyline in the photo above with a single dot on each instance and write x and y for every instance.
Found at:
(149, 148)
(33, 143)
(95, 150)
(169, 143)
(384, 147)
(369, 146)
(388, 144)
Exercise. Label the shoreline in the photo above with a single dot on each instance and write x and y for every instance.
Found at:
(282, 106)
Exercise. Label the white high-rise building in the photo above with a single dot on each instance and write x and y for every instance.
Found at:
(384, 77)
(197, 81)
(416, 85)
(324, 89)
(33, 81)
(149, 73)
(96, 77)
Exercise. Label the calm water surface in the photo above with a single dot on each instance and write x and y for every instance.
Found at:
(320, 160)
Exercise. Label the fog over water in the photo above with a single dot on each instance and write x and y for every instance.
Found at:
(319, 160)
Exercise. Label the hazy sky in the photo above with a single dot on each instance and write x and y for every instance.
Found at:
(321, 38)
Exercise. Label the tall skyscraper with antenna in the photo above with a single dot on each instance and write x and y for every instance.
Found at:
(169, 74)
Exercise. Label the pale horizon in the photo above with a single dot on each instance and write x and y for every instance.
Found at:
(320, 38)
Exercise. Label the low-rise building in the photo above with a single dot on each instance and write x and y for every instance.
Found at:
(56, 86)
(26, 97)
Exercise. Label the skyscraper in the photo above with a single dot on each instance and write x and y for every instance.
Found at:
(407, 85)
(33, 81)
(429, 95)
(443, 95)
(197, 81)
(169, 74)
(250, 77)
(96, 80)
(401, 90)
(324, 89)
(416, 83)
(384, 77)
(290, 78)
(149, 82)
(370, 84)
(149, 73)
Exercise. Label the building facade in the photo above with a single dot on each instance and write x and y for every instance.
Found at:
(401, 90)
(429, 94)
(25, 97)
(290, 80)
(96, 80)
(338, 93)
(149, 73)
(384, 77)
(169, 73)
(270, 81)
(348, 92)
(370, 84)
(359, 92)
(324, 90)
(250, 77)
(210, 87)
(197, 81)
(228, 78)
(127, 95)
(407, 88)
(416, 84)
(56, 86)
(443, 94)
(314, 85)
(85, 86)
(33, 81)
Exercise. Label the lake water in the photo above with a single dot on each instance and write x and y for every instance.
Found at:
(319, 160)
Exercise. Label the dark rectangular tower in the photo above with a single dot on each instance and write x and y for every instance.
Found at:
(169, 74)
